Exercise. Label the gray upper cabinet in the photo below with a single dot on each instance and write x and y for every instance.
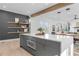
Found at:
(5, 17)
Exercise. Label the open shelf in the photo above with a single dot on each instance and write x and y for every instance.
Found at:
(16, 32)
(76, 27)
(11, 22)
(14, 27)
(22, 26)
(13, 32)
(20, 23)
(24, 23)
(17, 27)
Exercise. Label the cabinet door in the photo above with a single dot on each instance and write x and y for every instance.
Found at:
(52, 48)
(24, 43)
(41, 47)
(47, 48)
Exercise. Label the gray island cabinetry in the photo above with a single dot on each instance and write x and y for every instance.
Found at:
(40, 46)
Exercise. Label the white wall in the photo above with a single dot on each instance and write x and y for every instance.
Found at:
(35, 23)
(53, 18)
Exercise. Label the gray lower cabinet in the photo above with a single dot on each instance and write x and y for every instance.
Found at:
(40, 47)
(23, 44)
(47, 48)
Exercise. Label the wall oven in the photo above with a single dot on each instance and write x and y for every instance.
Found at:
(31, 43)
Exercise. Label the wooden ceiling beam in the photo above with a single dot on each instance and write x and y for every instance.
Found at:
(49, 9)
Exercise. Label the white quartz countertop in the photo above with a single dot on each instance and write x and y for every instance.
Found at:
(59, 38)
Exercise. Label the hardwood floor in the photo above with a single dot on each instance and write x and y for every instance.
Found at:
(12, 48)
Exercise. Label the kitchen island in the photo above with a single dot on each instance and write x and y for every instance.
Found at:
(47, 45)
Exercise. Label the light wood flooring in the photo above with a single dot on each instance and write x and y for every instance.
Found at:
(12, 48)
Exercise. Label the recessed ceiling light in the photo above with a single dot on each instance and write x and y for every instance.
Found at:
(58, 12)
(67, 8)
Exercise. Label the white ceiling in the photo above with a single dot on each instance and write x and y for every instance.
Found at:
(64, 15)
(25, 8)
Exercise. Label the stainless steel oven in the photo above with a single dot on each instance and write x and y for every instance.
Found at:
(31, 44)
